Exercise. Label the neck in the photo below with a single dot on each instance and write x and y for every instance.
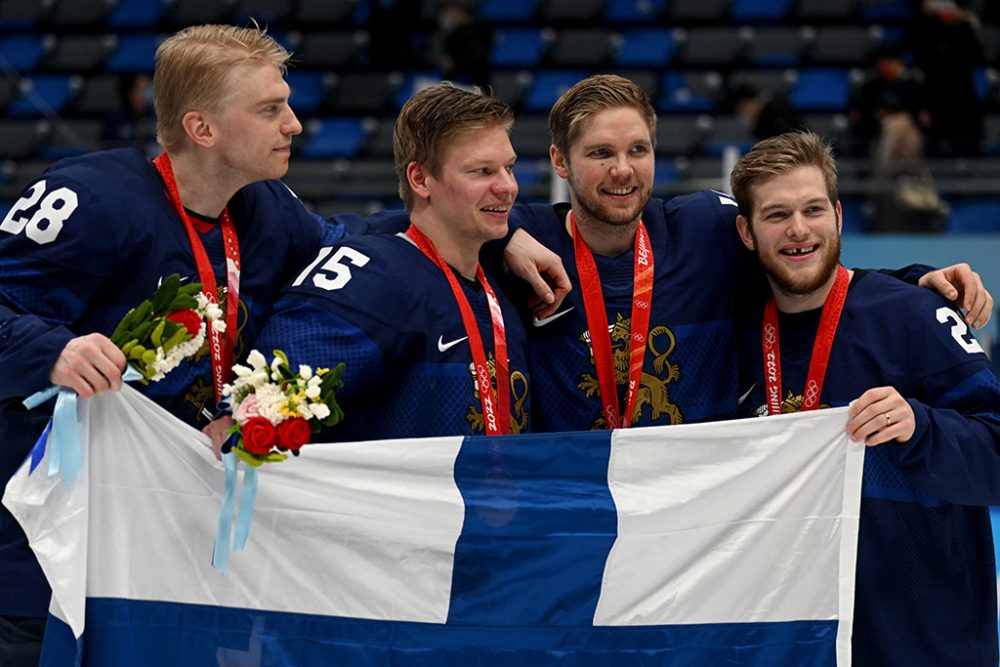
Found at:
(603, 238)
(203, 188)
(458, 253)
(788, 302)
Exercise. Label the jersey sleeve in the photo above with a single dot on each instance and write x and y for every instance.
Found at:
(58, 249)
(954, 452)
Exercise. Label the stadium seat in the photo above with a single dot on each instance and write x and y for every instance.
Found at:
(689, 92)
(21, 53)
(182, 13)
(680, 12)
(308, 90)
(820, 11)
(70, 137)
(265, 12)
(331, 138)
(547, 86)
(20, 139)
(530, 136)
(975, 216)
(330, 50)
(97, 96)
(77, 13)
(504, 12)
(844, 45)
(680, 135)
(411, 83)
(822, 89)
(136, 52)
(991, 134)
(634, 12)
(832, 127)
(519, 47)
(21, 14)
(9, 91)
(79, 53)
(776, 46)
(759, 11)
(379, 143)
(510, 86)
(44, 94)
(645, 47)
(580, 47)
(881, 11)
(570, 11)
(362, 93)
(326, 12)
(712, 46)
(136, 14)
(761, 80)
(726, 131)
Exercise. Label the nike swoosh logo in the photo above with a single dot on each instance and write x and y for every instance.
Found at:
(444, 347)
(551, 318)
(746, 395)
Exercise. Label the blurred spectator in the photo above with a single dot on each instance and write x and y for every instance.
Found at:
(945, 40)
(464, 43)
(770, 113)
(888, 116)
(133, 123)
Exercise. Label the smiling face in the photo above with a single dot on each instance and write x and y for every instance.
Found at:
(794, 229)
(609, 167)
(474, 189)
(253, 124)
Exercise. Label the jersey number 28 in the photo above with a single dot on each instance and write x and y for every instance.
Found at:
(51, 211)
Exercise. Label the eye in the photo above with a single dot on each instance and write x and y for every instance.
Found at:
(640, 149)
(776, 215)
(600, 153)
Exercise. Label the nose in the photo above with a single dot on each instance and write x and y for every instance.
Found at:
(621, 167)
(292, 126)
(797, 226)
(505, 184)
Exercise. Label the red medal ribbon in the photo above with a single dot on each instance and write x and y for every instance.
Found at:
(597, 322)
(770, 342)
(221, 347)
(496, 406)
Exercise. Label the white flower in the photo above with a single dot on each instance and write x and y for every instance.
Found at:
(269, 400)
(219, 326)
(241, 371)
(256, 360)
(319, 410)
(305, 372)
(312, 392)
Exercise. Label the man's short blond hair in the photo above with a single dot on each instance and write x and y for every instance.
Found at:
(192, 70)
(590, 96)
(779, 155)
(432, 118)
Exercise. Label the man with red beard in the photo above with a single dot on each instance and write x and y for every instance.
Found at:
(917, 383)
(646, 337)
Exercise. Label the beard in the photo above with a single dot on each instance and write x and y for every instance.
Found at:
(794, 283)
(592, 208)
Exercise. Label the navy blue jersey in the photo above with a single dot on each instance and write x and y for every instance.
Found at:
(90, 239)
(926, 581)
(689, 374)
(378, 305)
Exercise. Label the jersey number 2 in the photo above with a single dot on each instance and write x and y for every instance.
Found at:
(335, 272)
(53, 210)
(959, 330)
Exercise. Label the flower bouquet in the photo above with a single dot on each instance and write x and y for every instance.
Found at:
(161, 332)
(276, 410)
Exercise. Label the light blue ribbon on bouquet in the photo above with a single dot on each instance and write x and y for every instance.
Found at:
(62, 434)
(248, 498)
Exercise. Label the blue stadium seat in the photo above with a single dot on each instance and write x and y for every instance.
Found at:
(878, 11)
(144, 14)
(975, 216)
(634, 11)
(726, 131)
(519, 47)
(776, 46)
(689, 92)
(44, 94)
(759, 11)
(308, 90)
(413, 82)
(645, 47)
(21, 14)
(134, 53)
(822, 89)
(548, 86)
(501, 12)
(21, 52)
(331, 138)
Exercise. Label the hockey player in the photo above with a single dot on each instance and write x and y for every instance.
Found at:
(646, 335)
(922, 397)
(431, 346)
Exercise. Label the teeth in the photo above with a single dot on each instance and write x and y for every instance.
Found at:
(496, 209)
(800, 251)
(619, 191)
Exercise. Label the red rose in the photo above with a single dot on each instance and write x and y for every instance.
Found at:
(293, 433)
(259, 435)
(187, 318)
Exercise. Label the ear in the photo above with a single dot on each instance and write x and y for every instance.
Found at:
(559, 162)
(840, 217)
(198, 129)
(417, 176)
(743, 227)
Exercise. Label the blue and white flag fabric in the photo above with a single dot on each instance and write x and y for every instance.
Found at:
(714, 544)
